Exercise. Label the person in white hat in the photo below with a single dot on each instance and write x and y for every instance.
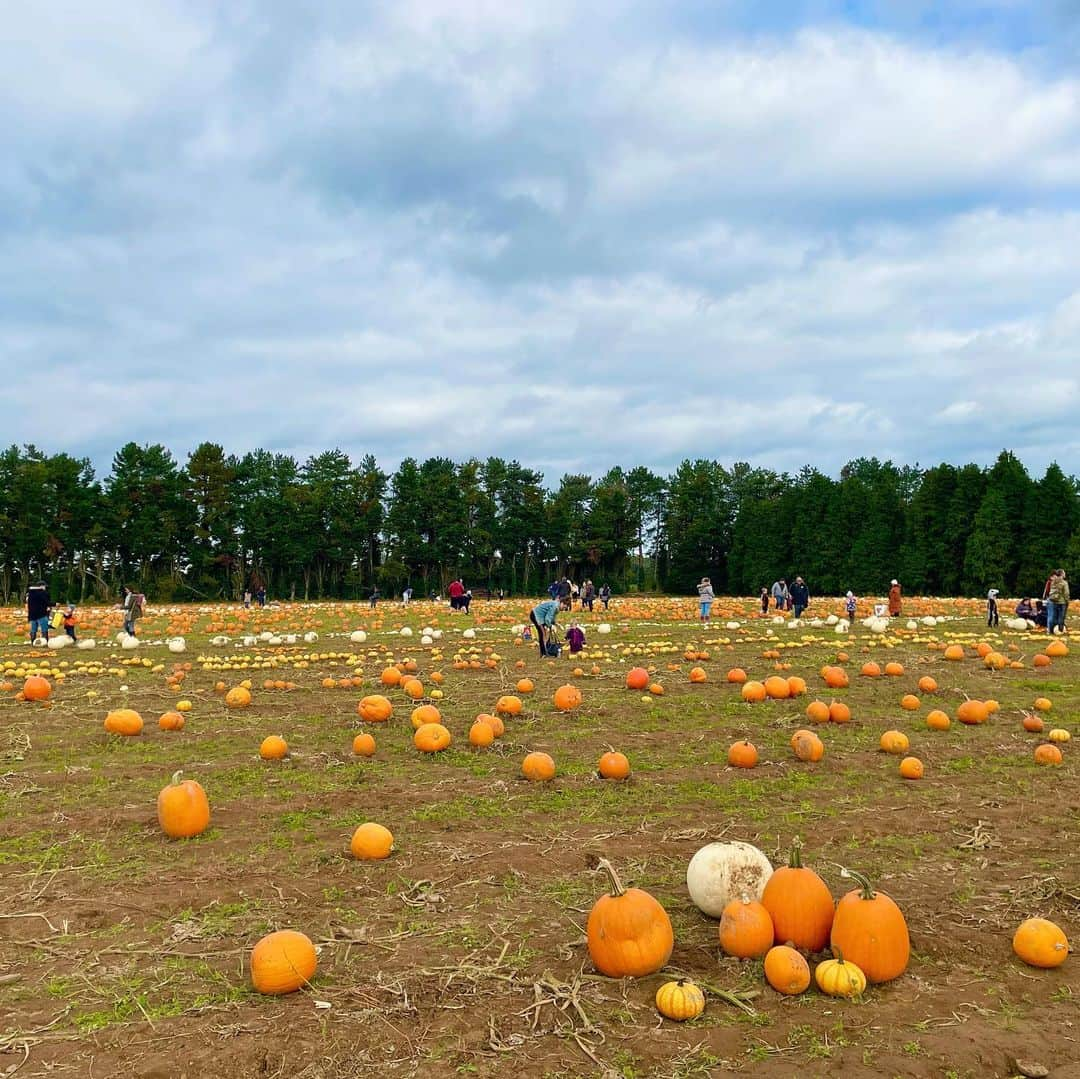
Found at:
(705, 598)
(894, 599)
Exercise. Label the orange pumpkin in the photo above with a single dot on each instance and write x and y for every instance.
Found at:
(481, 734)
(637, 678)
(910, 768)
(363, 745)
(567, 698)
(894, 742)
(629, 933)
(1040, 943)
(869, 930)
(736, 676)
(425, 713)
(1048, 753)
(538, 767)
(808, 746)
(937, 720)
(375, 708)
(777, 688)
(614, 765)
(927, 684)
(238, 697)
(746, 930)
(508, 706)
(36, 688)
(786, 971)
(282, 962)
(273, 748)
(431, 738)
(972, 713)
(698, 675)
(742, 755)
(817, 712)
(124, 721)
(371, 842)
(799, 903)
(753, 692)
(839, 712)
(182, 808)
(171, 721)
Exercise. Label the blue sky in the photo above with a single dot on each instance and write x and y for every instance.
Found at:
(578, 235)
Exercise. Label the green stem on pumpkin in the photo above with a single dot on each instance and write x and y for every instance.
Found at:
(617, 888)
(795, 861)
(178, 777)
(861, 879)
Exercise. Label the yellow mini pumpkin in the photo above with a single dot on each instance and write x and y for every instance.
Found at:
(680, 1000)
(837, 978)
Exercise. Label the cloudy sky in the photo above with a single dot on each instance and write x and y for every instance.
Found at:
(575, 234)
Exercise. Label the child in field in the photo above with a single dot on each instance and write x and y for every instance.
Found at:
(69, 620)
(992, 617)
(764, 600)
(849, 606)
(575, 637)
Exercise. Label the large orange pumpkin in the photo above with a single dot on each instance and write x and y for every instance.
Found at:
(282, 962)
(637, 678)
(182, 808)
(567, 698)
(869, 930)
(431, 738)
(1040, 943)
(508, 706)
(124, 721)
(799, 903)
(36, 688)
(629, 932)
(743, 754)
(375, 708)
(786, 971)
(538, 767)
(613, 765)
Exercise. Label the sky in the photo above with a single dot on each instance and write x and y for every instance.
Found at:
(574, 234)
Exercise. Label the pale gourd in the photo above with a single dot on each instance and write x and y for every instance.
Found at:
(358, 636)
(129, 642)
(406, 631)
(177, 645)
(721, 872)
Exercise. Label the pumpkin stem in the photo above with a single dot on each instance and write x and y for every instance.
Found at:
(795, 861)
(861, 879)
(617, 888)
(178, 778)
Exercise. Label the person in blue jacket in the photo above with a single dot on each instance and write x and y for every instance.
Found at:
(543, 616)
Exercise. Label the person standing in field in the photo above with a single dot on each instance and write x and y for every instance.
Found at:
(588, 595)
(544, 616)
(605, 595)
(849, 606)
(1057, 603)
(764, 600)
(455, 592)
(992, 617)
(800, 597)
(894, 598)
(38, 609)
(706, 596)
(778, 589)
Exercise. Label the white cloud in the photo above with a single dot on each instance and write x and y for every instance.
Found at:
(481, 228)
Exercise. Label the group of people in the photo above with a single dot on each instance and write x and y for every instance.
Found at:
(566, 594)
(1047, 613)
(43, 616)
(258, 594)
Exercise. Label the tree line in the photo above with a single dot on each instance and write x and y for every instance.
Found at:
(218, 524)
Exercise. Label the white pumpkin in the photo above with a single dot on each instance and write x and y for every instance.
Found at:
(469, 634)
(177, 644)
(603, 628)
(265, 635)
(310, 637)
(426, 639)
(831, 620)
(842, 626)
(879, 625)
(86, 643)
(128, 643)
(912, 624)
(731, 625)
(220, 641)
(930, 620)
(406, 632)
(59, 642)
(721, 872)
(1017, 623)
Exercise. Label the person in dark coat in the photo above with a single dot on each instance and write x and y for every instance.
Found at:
(800, 597)
(38, 608)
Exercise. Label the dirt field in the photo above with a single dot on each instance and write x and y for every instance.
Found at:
(463, 953)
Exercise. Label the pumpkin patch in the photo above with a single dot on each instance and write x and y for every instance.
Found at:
(679, 751)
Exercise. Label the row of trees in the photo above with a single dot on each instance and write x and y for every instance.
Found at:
(218, 524)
